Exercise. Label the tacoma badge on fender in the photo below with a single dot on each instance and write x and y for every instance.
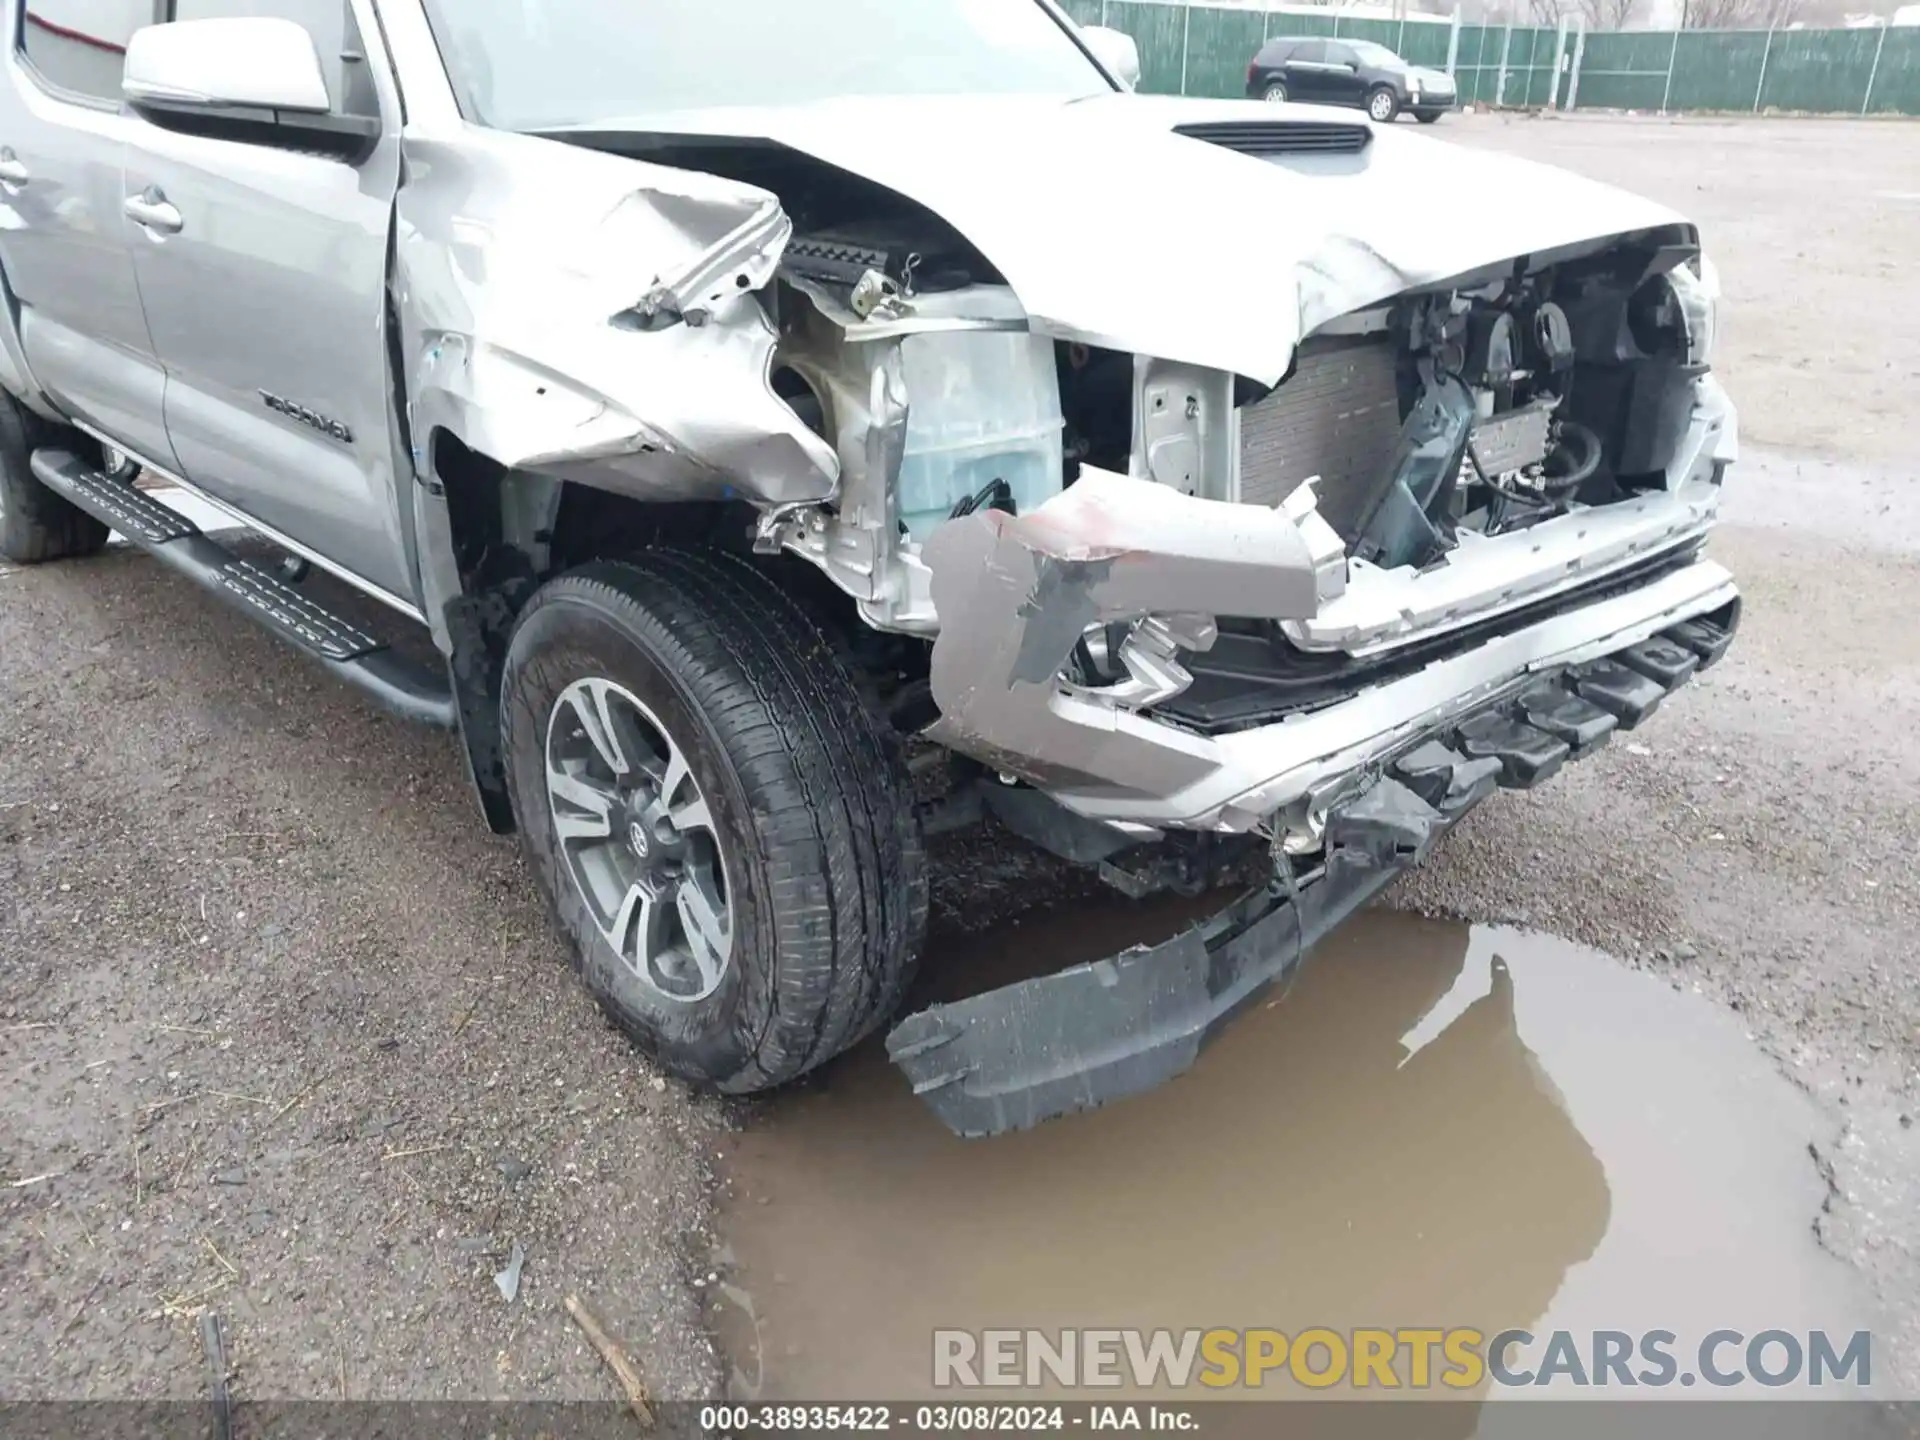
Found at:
(311, 418)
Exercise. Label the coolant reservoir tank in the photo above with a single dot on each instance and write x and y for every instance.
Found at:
(981, 406)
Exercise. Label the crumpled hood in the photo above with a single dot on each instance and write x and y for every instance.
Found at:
(1114, 230)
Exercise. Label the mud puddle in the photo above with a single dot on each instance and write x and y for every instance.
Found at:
(1434, 1127)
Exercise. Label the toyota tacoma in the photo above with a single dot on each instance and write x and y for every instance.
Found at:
(754, 400)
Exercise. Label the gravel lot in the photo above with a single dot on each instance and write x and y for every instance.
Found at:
(288, 1034)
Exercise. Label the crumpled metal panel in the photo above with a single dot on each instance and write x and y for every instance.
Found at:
(1015, 595)
(596, 318)
(1116, 231)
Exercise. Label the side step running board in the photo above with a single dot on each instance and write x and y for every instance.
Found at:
(407, 689)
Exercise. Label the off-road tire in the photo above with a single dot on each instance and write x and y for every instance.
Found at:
(825, 870)
(38, 524)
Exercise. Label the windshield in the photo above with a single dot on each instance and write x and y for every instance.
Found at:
(549, 64)
(1372, 54)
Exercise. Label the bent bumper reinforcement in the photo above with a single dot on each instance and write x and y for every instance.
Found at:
(1047, 1047)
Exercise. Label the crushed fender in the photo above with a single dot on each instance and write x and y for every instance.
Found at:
(535, 337)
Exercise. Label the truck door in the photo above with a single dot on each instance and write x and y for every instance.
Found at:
(63, 236)
(263, 270)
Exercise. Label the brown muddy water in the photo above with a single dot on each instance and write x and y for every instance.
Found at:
(1434, 1126)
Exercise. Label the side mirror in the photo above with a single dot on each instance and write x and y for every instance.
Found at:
(251, 79)
(248, 62)
(1116, 50)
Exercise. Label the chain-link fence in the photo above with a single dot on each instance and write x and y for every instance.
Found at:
(1202, 49)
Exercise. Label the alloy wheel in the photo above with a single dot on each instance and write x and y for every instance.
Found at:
(638, 840)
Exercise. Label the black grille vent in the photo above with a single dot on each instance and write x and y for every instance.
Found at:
(1281, 137)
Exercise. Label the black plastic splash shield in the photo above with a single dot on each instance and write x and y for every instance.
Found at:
(1072, 1041)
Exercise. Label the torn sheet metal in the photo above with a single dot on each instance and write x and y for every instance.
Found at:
(1015, 595)
(1116, 231)
(598, 319)
(863, 390)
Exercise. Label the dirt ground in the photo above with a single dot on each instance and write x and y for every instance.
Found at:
(287, 1034)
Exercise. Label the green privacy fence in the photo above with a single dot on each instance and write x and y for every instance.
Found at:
(1872, 71)
(1204, 50)
(1523, 54)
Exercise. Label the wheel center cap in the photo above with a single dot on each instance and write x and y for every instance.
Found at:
(641, 841)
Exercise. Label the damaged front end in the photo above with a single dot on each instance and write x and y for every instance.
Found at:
(1306, 583)
(1459, 545)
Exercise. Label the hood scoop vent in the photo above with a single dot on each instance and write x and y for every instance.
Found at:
(1281, 137)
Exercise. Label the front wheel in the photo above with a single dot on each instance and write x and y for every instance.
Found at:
(724, 827)
(1427, 117)
(1275, 93)
(1382, 104)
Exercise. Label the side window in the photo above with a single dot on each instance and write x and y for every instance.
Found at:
(80, 46)
(1338, 54)
(334, 32)
(1309, 52)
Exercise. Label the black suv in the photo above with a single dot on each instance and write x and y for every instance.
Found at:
(1349, 72)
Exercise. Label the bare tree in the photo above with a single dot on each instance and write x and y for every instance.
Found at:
(1619, 14)
(1546, 12)
(1738, 14)
(1599, 14)
(1609, 14)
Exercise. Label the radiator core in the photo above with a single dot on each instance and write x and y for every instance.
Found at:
(1337, 417)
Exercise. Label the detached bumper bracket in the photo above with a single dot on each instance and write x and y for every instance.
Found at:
(1661, 659)
(1527, 756)
(1625, 694)
(1705, 639)
(1583, 726)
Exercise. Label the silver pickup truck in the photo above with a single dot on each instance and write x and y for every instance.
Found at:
(803, 427)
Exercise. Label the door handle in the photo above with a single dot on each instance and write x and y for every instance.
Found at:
(12, 172)
(152, 210)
